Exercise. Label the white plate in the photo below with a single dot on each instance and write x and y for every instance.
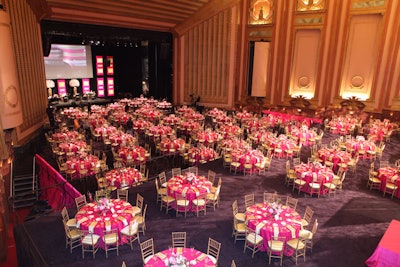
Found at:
(106, 218)
(98, 219)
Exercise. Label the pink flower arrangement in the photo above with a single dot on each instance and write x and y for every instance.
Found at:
(104, 204)
(190, 177)
(177, 260)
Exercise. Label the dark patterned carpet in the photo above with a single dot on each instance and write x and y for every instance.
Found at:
(351, 224)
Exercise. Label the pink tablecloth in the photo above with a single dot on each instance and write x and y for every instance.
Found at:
(202, 153)
(251, 156)
(313, 173)
(387, 253)
(73, 146)
(132, 153)
(262, 219)
(123, 177)
(335, 156)
(117, 216)
(88, 162)
(194, 257)
(181, 184)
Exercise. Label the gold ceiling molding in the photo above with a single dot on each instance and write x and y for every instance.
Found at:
(310, 5)
(309, 21)
(368, 4)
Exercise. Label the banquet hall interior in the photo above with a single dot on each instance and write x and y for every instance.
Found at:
(259, 132)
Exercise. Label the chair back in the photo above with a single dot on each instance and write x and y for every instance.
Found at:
(176, 171)
(178, 239)
(308, 214)
(213, 248)
(291, 202)
(235, 208)
(139, 201)
(122, 194)
(249, 200)
(163, 178)
(269, 197)
(64, 214)
(80, 201)
(147, 249)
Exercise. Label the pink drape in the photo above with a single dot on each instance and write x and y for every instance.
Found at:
(53, 186)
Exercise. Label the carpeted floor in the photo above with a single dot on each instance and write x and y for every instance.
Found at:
(351, 224)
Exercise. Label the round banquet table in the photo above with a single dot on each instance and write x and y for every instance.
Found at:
(117, 216)
(261, 218)
(229, 130)
(207, 136)
(122, 139)
(335, 156)
(123, 177)
(73, 146)
(132, 153)
(357, 144)
(88, 162)
(180, 184)
(281, 142)
(310, 173)
(188, 126)
(252, 156)
(193, 256)
(391, 173)
(105, 130)
(66, 136)
(201, 153)
(171, 120)
(177, 144)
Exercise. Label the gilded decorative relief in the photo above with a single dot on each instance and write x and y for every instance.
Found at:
(310, 5)
(261, 12)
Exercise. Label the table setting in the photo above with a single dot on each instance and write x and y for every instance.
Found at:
(189, 185)
(271, 220)
(123, 177)
(180, 257)
(313, 173)
(83, 161)
(105, 214)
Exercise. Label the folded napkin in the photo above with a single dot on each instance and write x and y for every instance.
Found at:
(79, 222)
(161, 255)
(292, 231)
(92, 226)
(259, 226)
(179, 250)
(123, 220)
(276, 231)
(201, 257)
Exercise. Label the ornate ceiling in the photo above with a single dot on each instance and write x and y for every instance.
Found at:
(158, 15)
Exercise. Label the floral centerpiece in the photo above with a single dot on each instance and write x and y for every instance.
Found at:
(190, 178)
(177, 260)
(275, 209)
(104, 204)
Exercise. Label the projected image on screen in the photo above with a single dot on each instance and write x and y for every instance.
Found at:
(68, 62)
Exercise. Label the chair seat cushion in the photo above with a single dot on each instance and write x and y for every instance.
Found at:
(254, 238)
(182, 202)
(130, 230)
(275, 245)
(314, 185)
(87, 240)
(199, 202)
(240, 217)
(295, 243)
(111, 238)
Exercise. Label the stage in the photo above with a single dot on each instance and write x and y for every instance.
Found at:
(80, 102)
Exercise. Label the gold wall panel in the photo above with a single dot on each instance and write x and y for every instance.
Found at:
(305, 63)
(361, 56)
(207, 59)
(30, 66)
